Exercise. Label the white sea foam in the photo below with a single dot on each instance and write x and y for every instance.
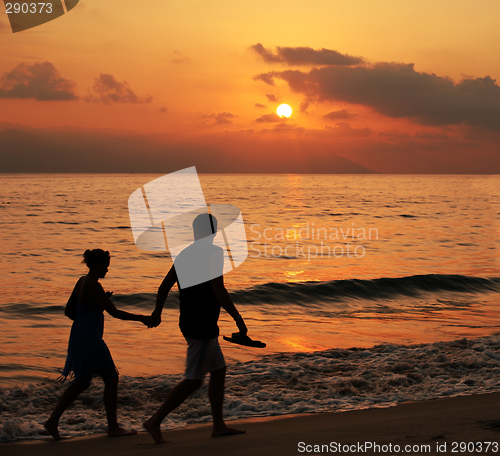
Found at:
(329, 381)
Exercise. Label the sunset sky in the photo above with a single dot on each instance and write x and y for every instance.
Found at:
(394, 86)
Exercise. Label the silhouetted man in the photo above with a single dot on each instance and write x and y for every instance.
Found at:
(198, 270)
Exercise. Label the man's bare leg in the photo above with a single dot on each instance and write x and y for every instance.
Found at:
(175, 397)
(216, 396)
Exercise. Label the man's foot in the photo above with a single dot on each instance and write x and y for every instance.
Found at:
(119, 431)
(52, 428)
(154, 431)
(219, 431)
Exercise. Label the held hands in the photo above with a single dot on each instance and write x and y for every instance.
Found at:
(149, 321)
(156, 316)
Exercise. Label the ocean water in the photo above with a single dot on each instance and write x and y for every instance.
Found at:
(368, 290)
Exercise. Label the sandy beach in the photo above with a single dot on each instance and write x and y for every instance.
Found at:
(410, 428)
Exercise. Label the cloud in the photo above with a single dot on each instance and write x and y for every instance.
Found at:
(397, 90)
(283, 127)
(40, 81)
(221, 118)
(434, 135)
(341, 114)
(108, 90)
(180, 58)
(260, 105)
(163, 109)
(394, 134)
(272, 98)
(304, 105)
(264, 77)
(343, 129)
(339, 130)
(305, 56)
(271, 117)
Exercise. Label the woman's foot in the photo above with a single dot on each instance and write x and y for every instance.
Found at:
(154, 431)
(52, 428)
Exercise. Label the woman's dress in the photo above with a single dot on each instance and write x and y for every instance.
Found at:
(88, 354)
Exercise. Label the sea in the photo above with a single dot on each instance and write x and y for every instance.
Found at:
(368, 290)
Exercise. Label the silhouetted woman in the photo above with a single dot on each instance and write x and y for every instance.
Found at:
(88, 355)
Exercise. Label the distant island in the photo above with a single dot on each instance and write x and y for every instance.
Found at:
(78, 150)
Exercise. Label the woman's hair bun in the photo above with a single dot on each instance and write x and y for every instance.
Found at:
(93, 257)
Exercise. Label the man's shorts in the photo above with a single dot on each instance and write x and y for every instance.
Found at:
(203, 355)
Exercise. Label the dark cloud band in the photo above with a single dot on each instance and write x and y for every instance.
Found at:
(305, 56)
(397, 90)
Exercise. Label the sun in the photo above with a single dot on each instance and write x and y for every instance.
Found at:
(284, 110)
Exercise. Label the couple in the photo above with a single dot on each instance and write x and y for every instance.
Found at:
(200, 304)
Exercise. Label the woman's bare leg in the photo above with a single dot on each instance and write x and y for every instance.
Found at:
(110, 404)
(68, 397)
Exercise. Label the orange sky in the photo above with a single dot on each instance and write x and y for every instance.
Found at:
(189, 70)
